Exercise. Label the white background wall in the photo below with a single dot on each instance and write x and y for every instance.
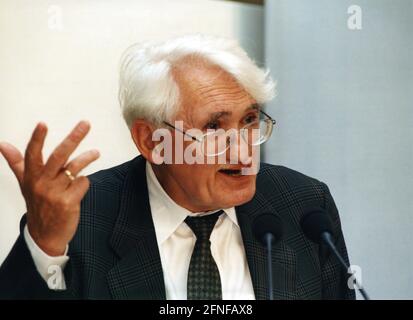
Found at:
(345, 112)
(61, 76)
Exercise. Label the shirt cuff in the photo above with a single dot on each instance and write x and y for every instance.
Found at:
(50, 268)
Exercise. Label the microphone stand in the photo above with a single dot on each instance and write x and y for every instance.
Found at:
(327, 239)
(269, 238)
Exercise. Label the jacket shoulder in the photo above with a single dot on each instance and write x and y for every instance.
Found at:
(285, 188)
(100, 205)
(284, 177)
(111, 176)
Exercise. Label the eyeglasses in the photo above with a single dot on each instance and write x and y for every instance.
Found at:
(217, 142)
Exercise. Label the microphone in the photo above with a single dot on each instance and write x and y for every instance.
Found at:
(267, 228)
(317, 226)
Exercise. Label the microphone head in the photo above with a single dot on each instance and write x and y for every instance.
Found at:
(314, 223)
(267, 223)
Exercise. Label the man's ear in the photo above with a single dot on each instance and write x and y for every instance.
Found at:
(141, 133)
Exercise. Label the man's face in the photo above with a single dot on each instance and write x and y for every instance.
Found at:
(210, 99)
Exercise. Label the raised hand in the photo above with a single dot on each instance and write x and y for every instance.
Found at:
(52, 190)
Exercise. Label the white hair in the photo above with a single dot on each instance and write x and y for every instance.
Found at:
(148, 90)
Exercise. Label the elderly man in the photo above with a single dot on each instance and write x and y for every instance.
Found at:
(176, 221)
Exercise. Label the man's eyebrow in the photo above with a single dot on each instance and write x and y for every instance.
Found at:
(216, 115)
(254, 106)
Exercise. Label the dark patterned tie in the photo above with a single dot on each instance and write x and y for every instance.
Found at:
(204, 282)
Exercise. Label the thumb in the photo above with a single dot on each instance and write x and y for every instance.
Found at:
(14, 158)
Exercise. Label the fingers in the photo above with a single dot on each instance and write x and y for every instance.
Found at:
(33, 159)
(78, 164)
(14, 158)
(63, 151)
(82, 161)
(78, 188)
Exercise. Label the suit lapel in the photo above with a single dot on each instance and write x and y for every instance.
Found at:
(138, 274)
(284, 262)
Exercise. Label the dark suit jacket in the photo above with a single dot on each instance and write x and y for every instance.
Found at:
(114, 253)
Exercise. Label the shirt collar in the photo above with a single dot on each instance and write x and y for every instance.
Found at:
(167, 215)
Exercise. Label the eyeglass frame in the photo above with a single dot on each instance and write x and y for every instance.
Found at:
(273, 121)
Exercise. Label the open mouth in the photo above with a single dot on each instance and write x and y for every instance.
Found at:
(231, 172)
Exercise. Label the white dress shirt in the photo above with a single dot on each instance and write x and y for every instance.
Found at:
(176, 242)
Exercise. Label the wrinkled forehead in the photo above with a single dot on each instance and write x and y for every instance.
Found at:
(205, 87)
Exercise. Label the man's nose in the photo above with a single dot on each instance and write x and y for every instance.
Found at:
(239, 150)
